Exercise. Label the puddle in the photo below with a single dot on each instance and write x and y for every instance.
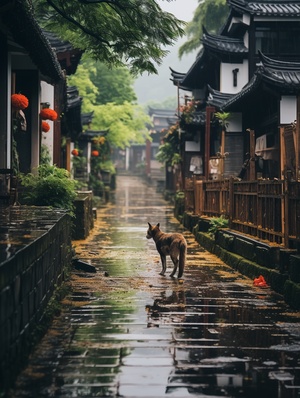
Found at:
(133, 333)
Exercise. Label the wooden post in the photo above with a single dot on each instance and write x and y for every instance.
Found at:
(297, 144)
(282, 154)
(231, 201)
(283, 176)
(222, 153)
(209, 111)
(68, 154)
(252, 175)
(198, 194)
(285, 214)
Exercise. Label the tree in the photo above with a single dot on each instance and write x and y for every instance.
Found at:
(169, 103)
(223, 118)
(211, 14)
(125, 122)
(114, 84)
(117, 32)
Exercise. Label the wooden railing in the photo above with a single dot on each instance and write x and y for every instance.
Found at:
(268, 210)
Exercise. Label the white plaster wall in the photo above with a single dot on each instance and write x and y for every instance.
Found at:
(47, 95)
(226, 81)
(288, 109)
(235, 123)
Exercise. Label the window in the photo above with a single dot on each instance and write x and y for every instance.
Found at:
(278, 39)
(265, 41)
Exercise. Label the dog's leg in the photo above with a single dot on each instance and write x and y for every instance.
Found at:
(163, 263)
(175, 262)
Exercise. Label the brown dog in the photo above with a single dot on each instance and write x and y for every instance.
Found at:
(173, 245)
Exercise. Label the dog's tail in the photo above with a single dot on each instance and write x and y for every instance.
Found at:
(182, 258)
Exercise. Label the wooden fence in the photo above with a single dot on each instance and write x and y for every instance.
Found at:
(268, 210)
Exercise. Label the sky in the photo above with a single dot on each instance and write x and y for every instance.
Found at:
(159, 87)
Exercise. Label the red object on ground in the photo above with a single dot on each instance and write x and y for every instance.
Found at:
(260, 281)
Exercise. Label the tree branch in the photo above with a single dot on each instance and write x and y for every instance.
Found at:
(73, 21)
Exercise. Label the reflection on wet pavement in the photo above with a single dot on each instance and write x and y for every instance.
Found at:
(128, 332)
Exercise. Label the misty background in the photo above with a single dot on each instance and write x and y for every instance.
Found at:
(159, 87)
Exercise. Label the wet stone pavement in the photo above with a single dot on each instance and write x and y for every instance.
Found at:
(126, 331)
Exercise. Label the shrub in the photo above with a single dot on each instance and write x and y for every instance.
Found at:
(217, 223)
(50, 186)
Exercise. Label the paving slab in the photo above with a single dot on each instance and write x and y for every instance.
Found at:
(125, 331)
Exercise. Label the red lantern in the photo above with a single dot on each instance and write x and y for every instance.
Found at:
(45, 127)
(19, 101)
(95, 153)
(75, 152)
(48, 113)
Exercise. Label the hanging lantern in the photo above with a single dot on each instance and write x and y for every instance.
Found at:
(19, 101)
(48, 113)
(75, 152)
(95, 153)
(45, 127)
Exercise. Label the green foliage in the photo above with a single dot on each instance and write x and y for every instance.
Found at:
(119, 32)
(223, 118)
(168, 152)
(96, 185)
(212, 15)
(114, 85)
(125, 122)
(79, 163)
(45, 157)
(50, 186)
(217, 223)
(167, 155)
(169, 103)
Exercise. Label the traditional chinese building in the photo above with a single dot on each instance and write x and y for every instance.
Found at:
(246, 83)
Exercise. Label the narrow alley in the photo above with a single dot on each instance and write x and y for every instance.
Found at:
(125, 331)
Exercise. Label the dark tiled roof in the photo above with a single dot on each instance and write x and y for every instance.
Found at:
(216, 98)
(18, 17)
(177, 78)
(284, 76)
(267, 8)
(88, 135)
(68, 56)
(161, 112)
(193, 78)
(196, 75)
(223, 44)
(73, 99)
(58, 45)
(86, 118)
(198, 118)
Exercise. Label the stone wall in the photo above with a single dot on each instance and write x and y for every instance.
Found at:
(36, 252)
(279, 266)
(84, 218)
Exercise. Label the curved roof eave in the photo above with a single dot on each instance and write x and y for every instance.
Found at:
(26, 32)
(217, 98)
(224, 44)
(273, 8)
(285, 76)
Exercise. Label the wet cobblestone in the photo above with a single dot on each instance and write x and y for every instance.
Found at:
(128, 332)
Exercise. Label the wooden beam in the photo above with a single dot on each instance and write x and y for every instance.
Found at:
(252, 176)
(297, 146)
